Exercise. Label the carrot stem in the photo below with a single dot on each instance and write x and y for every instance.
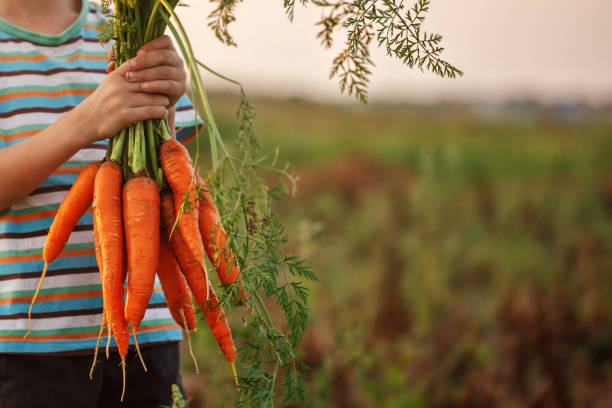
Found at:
(118, 143)
(165, 133)
(138, 162)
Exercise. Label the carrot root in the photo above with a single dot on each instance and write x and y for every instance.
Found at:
(138, 349)
(95, 358)
(123, 369)
(44, 272)
(195, 362)
(235, 374)
(108, 341)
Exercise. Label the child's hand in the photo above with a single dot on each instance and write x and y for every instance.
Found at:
(117, 103)
(159, 69)
(145, 87)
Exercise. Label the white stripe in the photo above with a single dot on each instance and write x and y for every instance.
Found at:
(49, 282)
(27, 47)
(37, 200)
(23, 119)
(53, 323)
(88, 155)
(59, 78)
(185, 118)
(11, 244)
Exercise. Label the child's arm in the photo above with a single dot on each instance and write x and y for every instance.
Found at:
(115, 104)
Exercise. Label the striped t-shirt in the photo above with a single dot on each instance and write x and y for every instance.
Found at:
(41, 78)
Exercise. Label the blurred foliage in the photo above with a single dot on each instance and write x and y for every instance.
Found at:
(464, 255)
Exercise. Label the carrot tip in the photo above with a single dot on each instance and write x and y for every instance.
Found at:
(108, 341)
(138, 349)
(235, 374)
(195, 362)
(44, 272)
(123, 369)
(95, 358)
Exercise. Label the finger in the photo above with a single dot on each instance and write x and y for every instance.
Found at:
(163, 41)
(141, 113)
(122, 69)
(110, 67)
(154, 58)
(159, 72)
(141, 99)
(166, 87)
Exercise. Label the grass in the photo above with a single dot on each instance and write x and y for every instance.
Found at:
(464, 259)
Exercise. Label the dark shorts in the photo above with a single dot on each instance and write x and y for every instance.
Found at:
(63, 381)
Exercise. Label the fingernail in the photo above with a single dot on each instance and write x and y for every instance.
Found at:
(132, 62)
(145, 85)
(128, 75)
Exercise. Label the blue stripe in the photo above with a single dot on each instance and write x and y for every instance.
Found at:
(74, 262)
(89, 33)
(68, 345)
(37, 225)
(46, 65)
(59, 180)
(66, 304)
(52, 306)
(85, 32)
(41, 102)
(182, 102)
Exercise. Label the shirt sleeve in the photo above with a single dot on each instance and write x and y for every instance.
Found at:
(186, 120)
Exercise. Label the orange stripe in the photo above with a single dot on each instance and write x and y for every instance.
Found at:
(58, 296)
(18, 135)
(38, 257)
(69, 170)
(41, 57)
(77, 336)
(93, 27)
(51, 297)
(33, 216)
(49, 94)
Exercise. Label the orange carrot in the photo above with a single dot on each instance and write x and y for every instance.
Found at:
(141, 219)
(218, 324)
(179, 172)
(215, 240)
(195, 272)
(70, 211)
(175, 288)
(107, 211)
(176, 292)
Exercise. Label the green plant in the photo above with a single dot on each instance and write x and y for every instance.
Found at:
(390, 23)
(238, 179)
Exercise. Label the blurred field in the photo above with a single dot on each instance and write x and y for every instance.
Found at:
(464, 254)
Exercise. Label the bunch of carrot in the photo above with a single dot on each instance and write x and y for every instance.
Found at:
(152, 215)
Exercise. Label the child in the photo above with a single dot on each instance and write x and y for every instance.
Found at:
(58, 107)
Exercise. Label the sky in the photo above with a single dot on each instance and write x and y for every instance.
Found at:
(549, 50)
